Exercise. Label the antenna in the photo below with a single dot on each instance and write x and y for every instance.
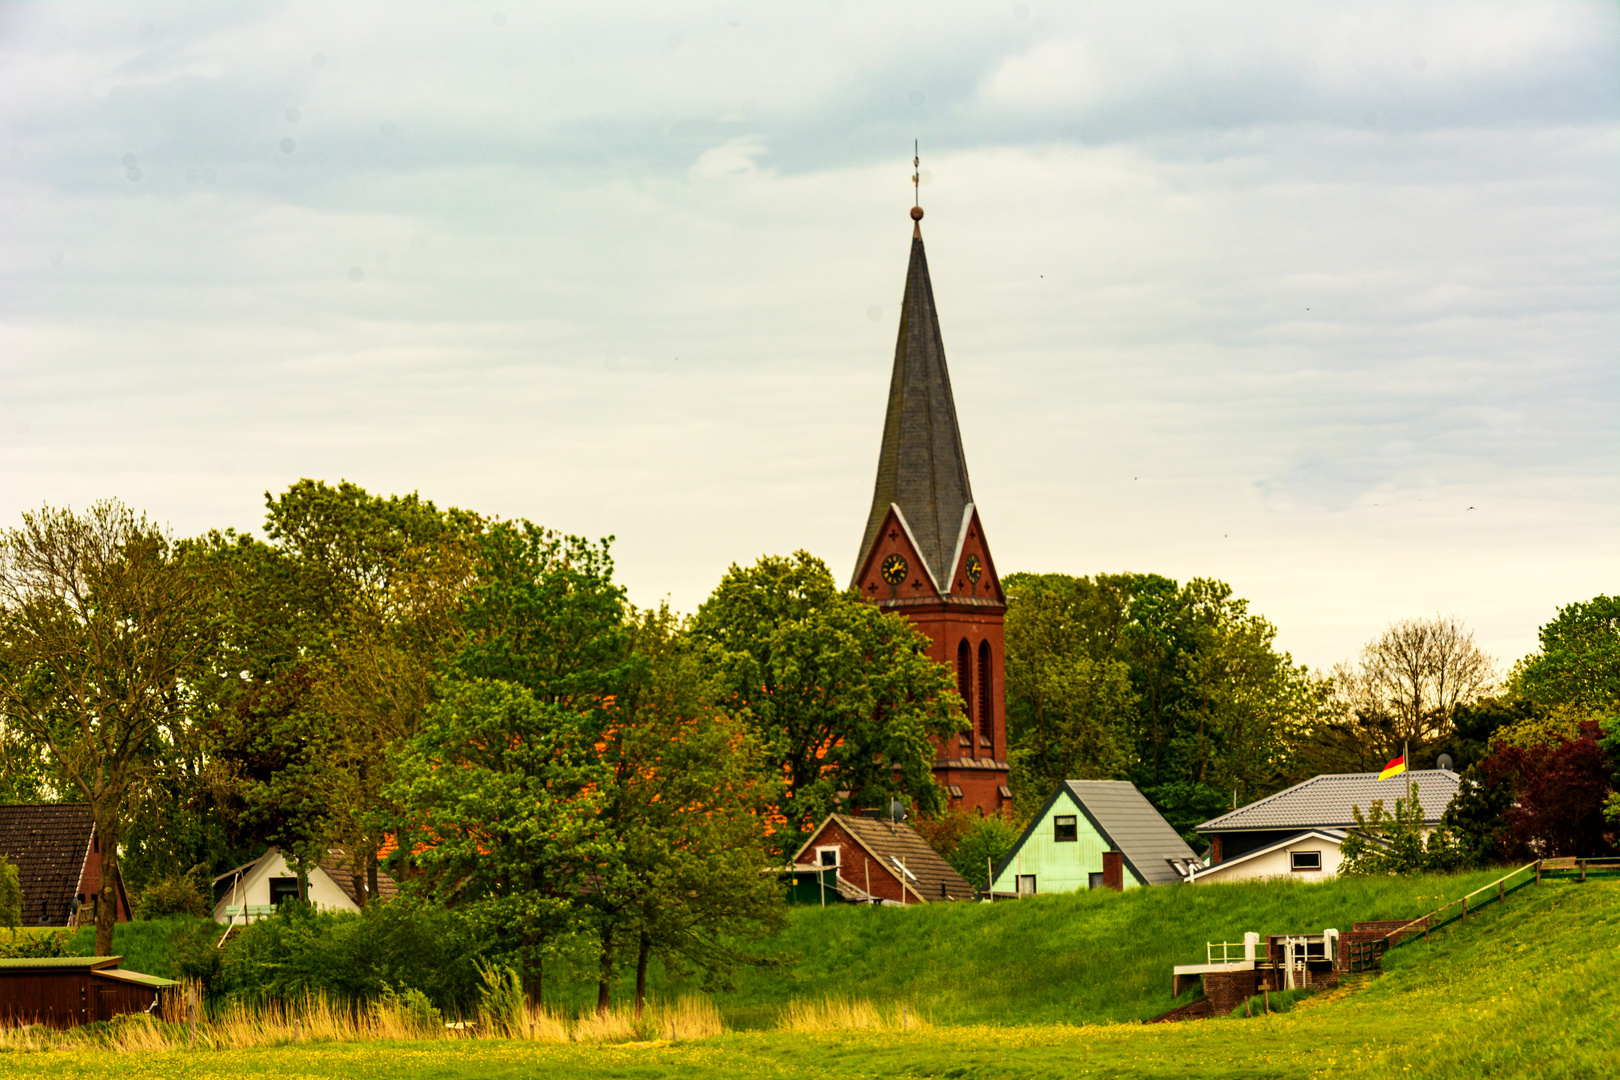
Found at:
(916, 175)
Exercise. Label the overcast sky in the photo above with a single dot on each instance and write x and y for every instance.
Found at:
(1318, 299)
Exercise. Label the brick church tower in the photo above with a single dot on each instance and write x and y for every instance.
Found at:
(924, 554)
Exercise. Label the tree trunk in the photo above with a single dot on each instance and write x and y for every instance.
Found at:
(107, 898)
(303, 883)
(371, 873)
(641, 971)
(605, 975)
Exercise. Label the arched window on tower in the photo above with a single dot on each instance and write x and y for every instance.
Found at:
(987, 723)
(964, 682)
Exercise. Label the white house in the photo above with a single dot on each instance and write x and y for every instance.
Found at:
(1298, 831)
(252, 891)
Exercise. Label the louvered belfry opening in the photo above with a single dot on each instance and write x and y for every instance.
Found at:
(987, 715)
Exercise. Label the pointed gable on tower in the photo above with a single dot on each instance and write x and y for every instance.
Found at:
(921, 468)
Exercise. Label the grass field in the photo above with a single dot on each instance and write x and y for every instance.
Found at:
(1530, 988)
(1065, 958)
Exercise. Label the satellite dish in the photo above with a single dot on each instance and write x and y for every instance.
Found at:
(1443, 762)
(897, 811)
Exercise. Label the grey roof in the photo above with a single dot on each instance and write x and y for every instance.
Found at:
(1136, 830)
(921, 467)
(1325, 801)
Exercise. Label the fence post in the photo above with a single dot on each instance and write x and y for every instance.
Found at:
(191, 1009)
(1465, 909)
(1583, 868)
(1538, 871)
(1500, 893)
(1425, 928)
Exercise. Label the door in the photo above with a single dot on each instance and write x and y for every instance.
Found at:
(1026, 884)
(1113, 871)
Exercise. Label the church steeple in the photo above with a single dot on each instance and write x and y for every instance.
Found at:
(921, 467)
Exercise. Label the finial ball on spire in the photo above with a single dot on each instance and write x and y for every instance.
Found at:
(916, 213)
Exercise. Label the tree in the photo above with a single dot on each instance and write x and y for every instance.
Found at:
(1578, 666)
(842, 697)
(1560, 788)
(10, 896)
(687, 800)
(1178, 688)
(1069, 712)
(1412, 679)
(1393, 843)
(97, 622)
(504, 793)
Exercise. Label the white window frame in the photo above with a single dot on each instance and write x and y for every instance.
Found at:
(837, 853)
(1019, 884)
(1074, 820)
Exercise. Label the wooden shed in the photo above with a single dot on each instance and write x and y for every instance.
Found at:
(65, 991)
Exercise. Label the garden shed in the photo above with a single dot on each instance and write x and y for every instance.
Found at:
(65, 991)
(1093, 834)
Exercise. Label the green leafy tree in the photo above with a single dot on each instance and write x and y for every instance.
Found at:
(1385, 842)
(1578, 666)
(843, 698)
(687, 799)
(97, 624)
(10, 895)
(505, 796)
(1178, 688)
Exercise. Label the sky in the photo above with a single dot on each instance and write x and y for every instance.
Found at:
(1316, 299)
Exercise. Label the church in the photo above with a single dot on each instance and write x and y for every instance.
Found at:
(924, 554)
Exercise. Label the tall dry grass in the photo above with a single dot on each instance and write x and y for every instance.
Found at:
(847, 1014)
(318, 1019)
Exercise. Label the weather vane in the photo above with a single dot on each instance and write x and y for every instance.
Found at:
(916, 182)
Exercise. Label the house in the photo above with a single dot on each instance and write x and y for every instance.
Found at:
(253, 890)
(58, 859)
(1300, 830)
(879, 861)
(1093, 834)
(65, 991)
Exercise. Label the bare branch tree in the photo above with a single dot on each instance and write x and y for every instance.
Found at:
(1411, 679)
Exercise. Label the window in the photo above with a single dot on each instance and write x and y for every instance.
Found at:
(1306, 860)
(956, 792)
(1096, 881)
(1026, 884)
(1066, 828)
(964, 683)
(283, 888)
(828, 856)
(987, 727)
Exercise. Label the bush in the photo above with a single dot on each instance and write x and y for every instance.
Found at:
(179, 894)
(403, 944)
(409, 1009)
(36, 946)
(10, 895)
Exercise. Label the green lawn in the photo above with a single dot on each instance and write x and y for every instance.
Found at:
(1530, 988)
(1064, 959)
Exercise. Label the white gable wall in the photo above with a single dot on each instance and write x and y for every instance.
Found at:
(253, 889)
(1279, 863)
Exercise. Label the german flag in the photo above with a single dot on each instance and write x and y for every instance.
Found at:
(1394, 768)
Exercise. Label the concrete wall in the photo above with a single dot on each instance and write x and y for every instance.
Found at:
(1064, 866)
(1278, 863)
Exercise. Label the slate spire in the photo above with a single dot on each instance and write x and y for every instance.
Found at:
(921, 467)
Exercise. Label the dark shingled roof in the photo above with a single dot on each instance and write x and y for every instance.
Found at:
(921, 467)
(1326, 801)
(342, 869)
(47, 843)
(1129, 822)
(890, 842)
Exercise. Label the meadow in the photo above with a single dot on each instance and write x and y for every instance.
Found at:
(1528, 988)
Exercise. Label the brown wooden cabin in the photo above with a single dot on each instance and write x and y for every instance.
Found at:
(66, 991)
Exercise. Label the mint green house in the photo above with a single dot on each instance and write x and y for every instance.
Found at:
(1093, 834)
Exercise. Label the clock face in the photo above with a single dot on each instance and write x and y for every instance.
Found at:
(974, 568)
(894, 569)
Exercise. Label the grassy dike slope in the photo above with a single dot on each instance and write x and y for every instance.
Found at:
(1065, 958)
(1528, 989)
